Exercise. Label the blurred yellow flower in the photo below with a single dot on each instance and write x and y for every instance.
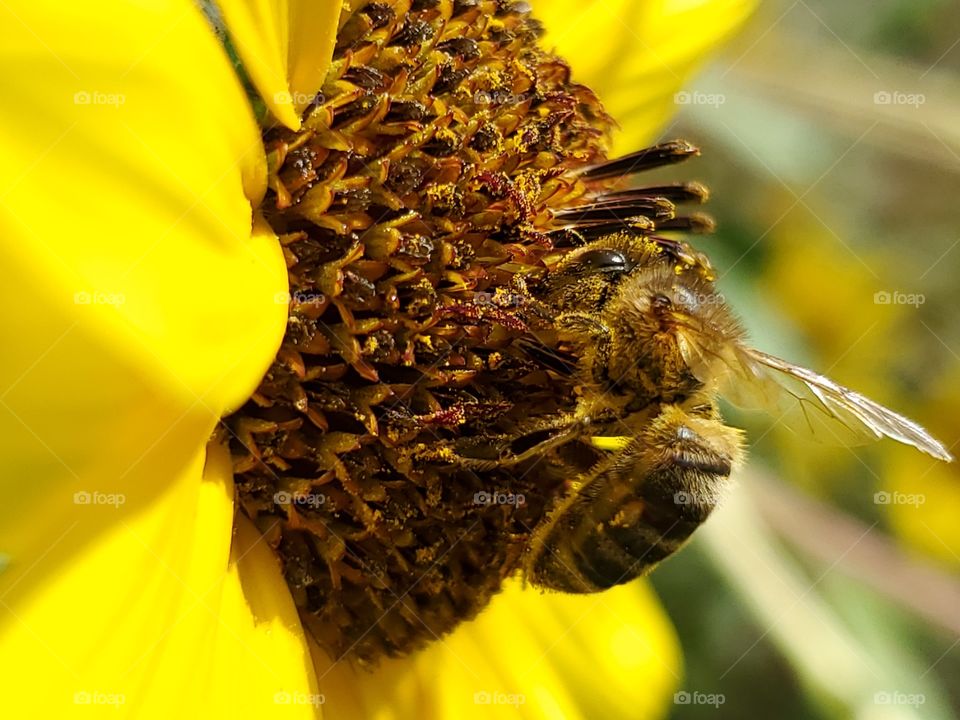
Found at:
(863, 346)
(140, 309)
(921, 497)
(805, 273)
(637, 54)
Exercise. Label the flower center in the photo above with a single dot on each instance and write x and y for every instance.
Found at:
(437, 177)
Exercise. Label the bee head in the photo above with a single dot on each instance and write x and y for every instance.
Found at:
(653, 310)
(587, 277)
(625, 295)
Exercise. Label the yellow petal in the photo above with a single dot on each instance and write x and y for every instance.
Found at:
(259, 32)
(636, 54)
(528, 655)
(155, 615)
(261, 665)
(285, 48)
(313, 33)
(138, 310)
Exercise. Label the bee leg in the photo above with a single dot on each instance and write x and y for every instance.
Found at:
(500, 450)
(636, 507)
(582, 324)
(594, 337)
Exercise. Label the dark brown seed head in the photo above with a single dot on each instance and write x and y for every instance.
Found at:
(416, 210)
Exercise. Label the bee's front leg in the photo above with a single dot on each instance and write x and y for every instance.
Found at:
(532, 439)
(595, 339)
(637, 507)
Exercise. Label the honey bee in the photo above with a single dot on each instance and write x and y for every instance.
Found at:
(652, 345)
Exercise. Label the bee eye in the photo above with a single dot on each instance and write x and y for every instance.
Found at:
(605, 260)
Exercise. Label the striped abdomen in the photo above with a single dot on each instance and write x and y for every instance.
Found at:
(637, 508)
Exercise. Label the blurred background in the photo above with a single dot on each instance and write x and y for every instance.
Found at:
(829, 585)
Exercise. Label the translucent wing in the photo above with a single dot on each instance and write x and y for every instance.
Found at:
(801, 398)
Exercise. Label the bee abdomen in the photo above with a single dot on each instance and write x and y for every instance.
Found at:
(632, 542)
(636, 511)
(614, 554)
(597, 555)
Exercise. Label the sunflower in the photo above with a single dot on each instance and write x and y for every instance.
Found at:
(147, 296)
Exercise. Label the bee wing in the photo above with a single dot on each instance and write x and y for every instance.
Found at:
(805, 400)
